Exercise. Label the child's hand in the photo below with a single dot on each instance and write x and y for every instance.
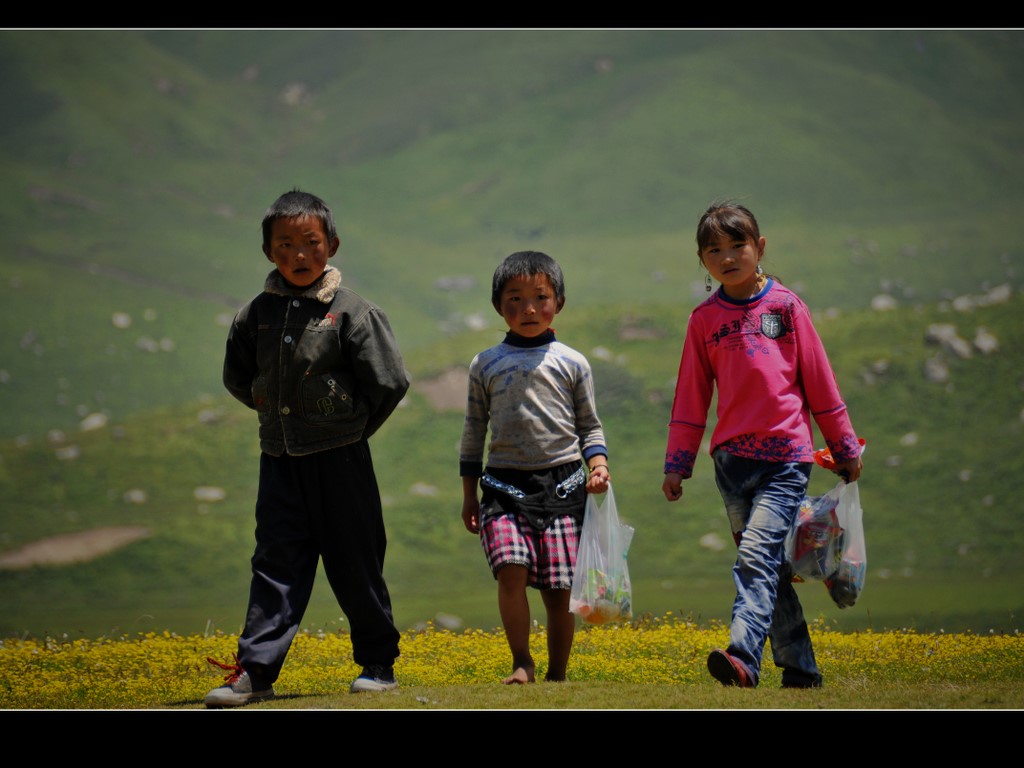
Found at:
(672, 487)
(471, 515)
(599, 479)
(850, 469)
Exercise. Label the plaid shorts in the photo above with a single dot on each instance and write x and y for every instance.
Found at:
(549, 555)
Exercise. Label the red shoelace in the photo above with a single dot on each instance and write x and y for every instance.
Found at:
(234, 670)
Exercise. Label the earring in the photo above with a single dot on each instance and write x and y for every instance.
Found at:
(759, 270)
(707, 282)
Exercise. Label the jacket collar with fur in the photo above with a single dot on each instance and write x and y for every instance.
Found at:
(322, 290)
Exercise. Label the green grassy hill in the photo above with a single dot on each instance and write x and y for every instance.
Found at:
(885, 168)
(939, 492)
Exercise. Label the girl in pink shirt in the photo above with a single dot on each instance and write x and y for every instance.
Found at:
(753, 339)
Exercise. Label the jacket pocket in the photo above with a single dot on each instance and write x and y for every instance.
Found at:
(325, 399)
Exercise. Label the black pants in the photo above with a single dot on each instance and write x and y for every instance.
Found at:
(325, 504)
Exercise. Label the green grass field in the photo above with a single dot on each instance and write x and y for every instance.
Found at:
(884, 166)
(939, 512)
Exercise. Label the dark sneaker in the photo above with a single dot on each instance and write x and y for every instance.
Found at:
(237, 690)
(374, 678)
(728, 670)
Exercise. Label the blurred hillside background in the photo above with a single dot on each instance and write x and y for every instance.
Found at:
(885, 168)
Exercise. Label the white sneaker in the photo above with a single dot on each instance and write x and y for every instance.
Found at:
(237, 692)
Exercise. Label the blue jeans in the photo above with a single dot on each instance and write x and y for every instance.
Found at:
(762, 499)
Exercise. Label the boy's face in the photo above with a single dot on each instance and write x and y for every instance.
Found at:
(300, 249)
(528, 305)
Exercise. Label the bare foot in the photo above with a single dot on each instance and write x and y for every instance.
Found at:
(521, 676)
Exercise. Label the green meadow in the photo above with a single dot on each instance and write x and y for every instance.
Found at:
(884, 167)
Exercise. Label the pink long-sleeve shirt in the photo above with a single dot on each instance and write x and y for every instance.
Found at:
(773, 377)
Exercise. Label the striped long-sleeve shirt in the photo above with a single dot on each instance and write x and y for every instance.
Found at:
(537, 399)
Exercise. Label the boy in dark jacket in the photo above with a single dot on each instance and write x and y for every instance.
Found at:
(320, 366)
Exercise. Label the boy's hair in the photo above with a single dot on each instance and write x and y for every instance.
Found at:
(296, 204)
(724, 217)
(524, 264)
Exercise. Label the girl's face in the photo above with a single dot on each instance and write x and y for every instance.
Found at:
(529, 305)
(300, 249)
(733, 262)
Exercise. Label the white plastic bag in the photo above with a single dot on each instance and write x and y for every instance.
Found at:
(814, 545)
(601, 591)
(826, 543)
(846, 583)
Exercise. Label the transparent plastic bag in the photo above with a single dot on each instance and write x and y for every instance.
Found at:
(846, 584)
(826, 543)
(814, 545)
(601, 591)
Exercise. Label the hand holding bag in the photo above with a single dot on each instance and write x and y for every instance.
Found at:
(601, 591)
(827, 541)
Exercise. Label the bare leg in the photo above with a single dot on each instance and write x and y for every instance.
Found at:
(514, 608)
(561, 628)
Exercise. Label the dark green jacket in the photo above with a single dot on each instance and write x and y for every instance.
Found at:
(319, 365)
